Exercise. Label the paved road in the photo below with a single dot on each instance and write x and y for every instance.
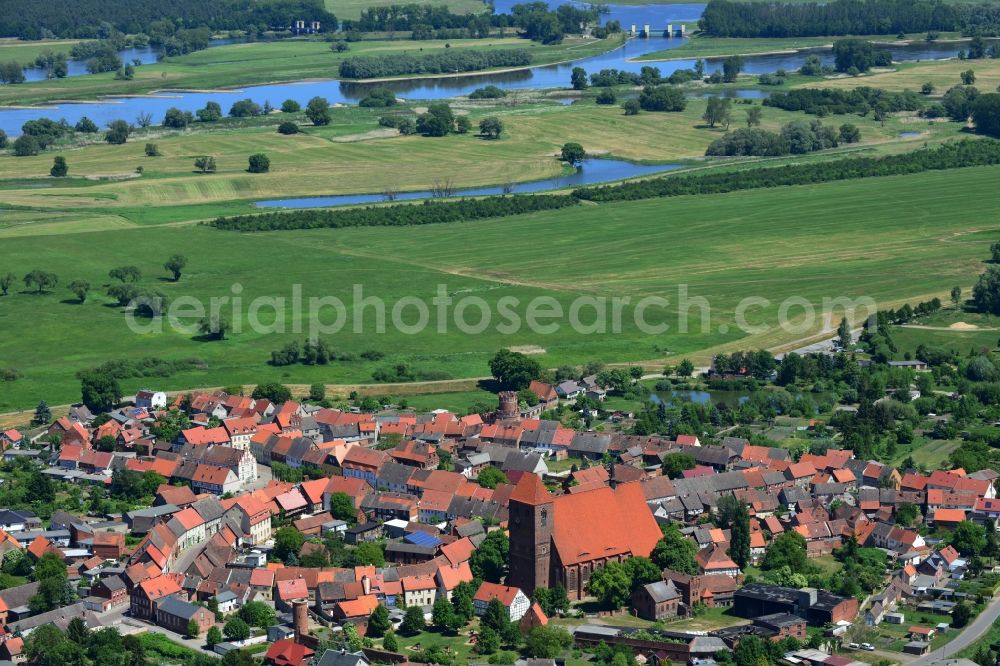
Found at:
(969, 635)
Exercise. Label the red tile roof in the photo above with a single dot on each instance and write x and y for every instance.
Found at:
(488, 591)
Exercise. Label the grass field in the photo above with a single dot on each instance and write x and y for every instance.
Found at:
(242, 64)
(354, 155)
(705, 46)
(25, 52)
(930, 454)
(844, 239)
(911, 76)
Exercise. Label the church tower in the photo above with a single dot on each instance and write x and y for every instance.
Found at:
(531, 516)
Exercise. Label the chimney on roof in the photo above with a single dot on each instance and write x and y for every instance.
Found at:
(807, 597)
(300, 613)
(612, 480)
(366, 584)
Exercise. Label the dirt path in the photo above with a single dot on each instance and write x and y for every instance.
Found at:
(968, 328)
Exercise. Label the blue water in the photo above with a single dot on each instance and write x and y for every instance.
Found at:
(105, 110)
(591, 172)
(146, 55)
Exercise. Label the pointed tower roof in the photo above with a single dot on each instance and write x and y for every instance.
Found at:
(530, 490)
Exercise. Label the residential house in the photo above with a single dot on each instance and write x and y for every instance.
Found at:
(514, 600)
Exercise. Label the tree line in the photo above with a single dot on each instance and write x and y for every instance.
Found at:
(861, 100)
(959, 154)
(429, 212)
(726, 18)
(446, 62)
(535, 20)
(29, 19)
(964, 153)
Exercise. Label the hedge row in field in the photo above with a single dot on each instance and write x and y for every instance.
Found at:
(428, 212)
(447, 62)
(964, 153)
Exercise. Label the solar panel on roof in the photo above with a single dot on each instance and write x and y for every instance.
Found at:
(422, 539)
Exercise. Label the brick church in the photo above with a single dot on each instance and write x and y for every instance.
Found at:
(565, 538)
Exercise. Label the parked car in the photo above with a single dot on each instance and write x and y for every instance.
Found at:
(868, 646)
(854, 646)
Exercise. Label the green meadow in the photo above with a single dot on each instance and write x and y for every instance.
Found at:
(854, 238)
(353, 155)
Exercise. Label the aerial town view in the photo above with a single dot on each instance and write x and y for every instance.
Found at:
(522, 332)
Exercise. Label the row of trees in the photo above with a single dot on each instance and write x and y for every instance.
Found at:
(446, 62)
(796, 138)
(428, 212)
(860, 101)
(954, 155)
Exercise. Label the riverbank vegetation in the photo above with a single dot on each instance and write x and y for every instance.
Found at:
(253, 63)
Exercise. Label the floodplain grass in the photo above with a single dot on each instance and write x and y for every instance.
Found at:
(25, 52)
(860, 237)
(912, 75)
(354, 155)
(251, 63)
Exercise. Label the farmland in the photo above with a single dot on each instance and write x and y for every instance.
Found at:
(608, 250)
(121, 207)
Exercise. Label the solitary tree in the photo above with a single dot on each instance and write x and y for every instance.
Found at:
(754, 115)
(731, 68)
(573, 153)
(41, 280)
(844, 333)
(318, 111)
(259, 163)
(205, 164)
(118, 132)
(193, 628)
(215, 327)
(125, 274)
(578, 78)
(968, 77)
(236, 630)
(59, 168)
(5, 282)
(379, 622)
(213, 637)
(43, 414)
(491, 127)
(413, 621)
(80, 288)
(175, 264)
(956, 295)
(717, 111)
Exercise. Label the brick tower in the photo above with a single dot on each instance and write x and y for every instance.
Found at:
(531, 515)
